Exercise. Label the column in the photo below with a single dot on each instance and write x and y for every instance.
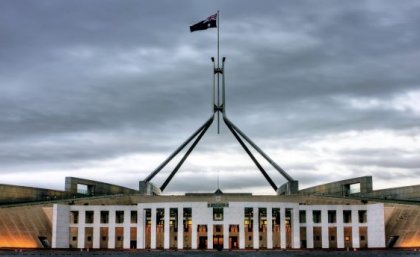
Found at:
(193, 227)
(376, 225)
(60, 226)
(324, 228)
(295, 228)
(209, 236)
(81, 229)
(269, 228)
(111, 230)
(255, 229)
(242, 231)
(225, 236)
(340, 227)
(355, 227)
(309, 229)
(140, 227)
(127, 226)
(153, 229)
(166, 228)
(180, 235)
(193, 234)
(96, 229)
(283, 228)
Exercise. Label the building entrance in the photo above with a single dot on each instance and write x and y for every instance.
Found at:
(218, 242)
(202, 243)
(233, 242)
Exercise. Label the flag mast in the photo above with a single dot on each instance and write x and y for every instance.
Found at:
(290, 187)
(218, 26)
(218, 77)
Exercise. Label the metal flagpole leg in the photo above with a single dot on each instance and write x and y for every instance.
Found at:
(185, 156)
(273, 185)
(277, 167)
(223, 86)
(163, 164)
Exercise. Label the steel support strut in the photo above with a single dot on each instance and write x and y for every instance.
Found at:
(277, 167)
(163, 164)
(203, 131)
(273, 185)
(219, 107)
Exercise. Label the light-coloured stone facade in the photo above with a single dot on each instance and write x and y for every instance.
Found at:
(218, 224)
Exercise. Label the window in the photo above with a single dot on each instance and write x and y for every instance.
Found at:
(332, 216)
(276, 216)
(104, 217)
(234, 228)
(74, 217)
(347, 216)
(119, 217)
(133, 217)
(355, 188)
(104, 238)
(202, 228)
(332, 238)
(187, 214)
(362, 238)
(302, 216)
(362, 216)
(89, 238)
(316, 216)
(82, 189)
(160, 216)
(89, 217)
(249, 218)
(74, 238)
(217, 213)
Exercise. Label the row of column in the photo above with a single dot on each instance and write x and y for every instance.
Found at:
(295, 233)
(111, 229)
(325, 225)
(236, 217)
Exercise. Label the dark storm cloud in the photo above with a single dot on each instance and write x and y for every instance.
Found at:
(91, 81)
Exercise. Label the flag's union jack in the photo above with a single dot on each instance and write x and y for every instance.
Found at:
(210, 22)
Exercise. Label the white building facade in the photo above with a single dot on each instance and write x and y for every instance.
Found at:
(218, 225)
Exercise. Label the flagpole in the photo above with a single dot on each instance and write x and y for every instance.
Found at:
(218, 18)
(218, 80)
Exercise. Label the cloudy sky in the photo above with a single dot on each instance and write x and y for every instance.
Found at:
(106, 90)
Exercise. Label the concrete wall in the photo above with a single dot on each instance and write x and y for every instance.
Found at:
(16, 194)
(339, 187)
(403, 221)
(96, 187)
(21, 227)
(398, 193)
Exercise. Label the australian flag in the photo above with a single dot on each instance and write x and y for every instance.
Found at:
(210, 22)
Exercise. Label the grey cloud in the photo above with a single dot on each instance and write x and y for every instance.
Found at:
(82, 82)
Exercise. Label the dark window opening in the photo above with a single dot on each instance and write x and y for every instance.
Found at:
(104, 217)
(119, 217)
(302, 216)
(218, 214)
(347, 216)
(362, 216)
(332, 216)
(316, 216)
(89, 217)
